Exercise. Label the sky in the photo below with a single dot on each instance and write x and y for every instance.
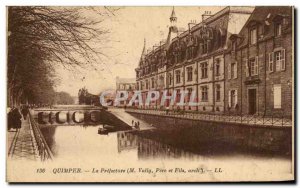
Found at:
(128, 29)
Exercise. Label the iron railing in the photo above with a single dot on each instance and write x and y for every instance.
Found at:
(44, 151)
(259, 120)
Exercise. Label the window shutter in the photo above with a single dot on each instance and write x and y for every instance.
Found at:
(283, 59)
(256, 65)
(229, 98)
(277, 96)
(271, 61)
(247, 68)
(229, 70)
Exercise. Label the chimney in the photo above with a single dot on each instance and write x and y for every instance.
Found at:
(206, 15)
(191, 24)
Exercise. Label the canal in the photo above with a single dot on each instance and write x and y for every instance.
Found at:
(182, 146)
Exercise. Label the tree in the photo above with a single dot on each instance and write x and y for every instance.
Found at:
(64, 98)
(42, 38)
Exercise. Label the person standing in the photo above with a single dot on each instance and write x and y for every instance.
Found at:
(16, 119)
(24, 112)
(10, 119)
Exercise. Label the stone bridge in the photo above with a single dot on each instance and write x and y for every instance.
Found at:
(69, 116)
(77, 115)
(29, 142)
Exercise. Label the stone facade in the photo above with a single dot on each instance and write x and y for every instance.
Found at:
(125, 84)
(210, 59)
(262, 54)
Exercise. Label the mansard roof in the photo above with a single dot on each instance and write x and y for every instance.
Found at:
(264, 16)
(228, 28)
(125, 80)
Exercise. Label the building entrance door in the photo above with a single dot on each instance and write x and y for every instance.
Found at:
(252, 101)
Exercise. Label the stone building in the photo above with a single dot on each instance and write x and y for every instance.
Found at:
(238, 61)
(192, 60)
(259, 64)
(125, 84)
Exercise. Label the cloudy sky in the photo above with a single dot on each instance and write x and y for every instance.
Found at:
(128, 27)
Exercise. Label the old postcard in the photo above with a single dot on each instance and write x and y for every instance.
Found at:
(150, 94)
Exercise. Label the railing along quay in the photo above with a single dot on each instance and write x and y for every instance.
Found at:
(43, 149)
(273, 120)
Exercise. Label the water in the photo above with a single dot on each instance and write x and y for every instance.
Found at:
(84, 141)
(77, 146)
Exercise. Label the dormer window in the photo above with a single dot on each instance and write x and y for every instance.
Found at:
(233, 46)
(253, 35)
(204, 47)
(278, 28)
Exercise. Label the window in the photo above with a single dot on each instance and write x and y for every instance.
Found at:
(170, 79)
(218, 93)
(232, 98)
(189, 93)
(147, 84)
(204, 93)
(189, 74)
(278, 29)
(177, 74)
(279, 60)
(253, 36)
(278, 57)
(204, 70)
(233, 70)
(162, 81)
(277, 96)
(253, 66)
(233, 46)
(217, 67)
(190, 52)
(205, 47)
(178, 95)
(152, 82)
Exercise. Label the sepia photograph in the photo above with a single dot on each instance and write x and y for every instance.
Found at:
(150, 94)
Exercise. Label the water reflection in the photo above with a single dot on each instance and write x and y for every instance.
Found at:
(154, 149)
(83, 141)
(126, 141)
